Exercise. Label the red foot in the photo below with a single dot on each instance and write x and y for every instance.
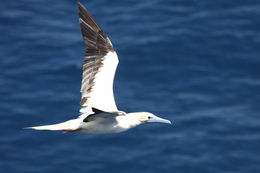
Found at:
(66, 131)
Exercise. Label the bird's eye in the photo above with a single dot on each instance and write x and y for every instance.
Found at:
(149, 117)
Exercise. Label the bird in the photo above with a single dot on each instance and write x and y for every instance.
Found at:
(99, 113)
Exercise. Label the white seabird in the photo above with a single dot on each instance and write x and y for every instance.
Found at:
(99, 113)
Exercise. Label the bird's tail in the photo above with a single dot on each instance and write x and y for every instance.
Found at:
(67, 126)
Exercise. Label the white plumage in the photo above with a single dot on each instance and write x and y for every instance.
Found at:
(102, 95)
(99, 113)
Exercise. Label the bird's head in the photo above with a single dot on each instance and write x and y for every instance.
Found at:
(131, 120)
(146, 117)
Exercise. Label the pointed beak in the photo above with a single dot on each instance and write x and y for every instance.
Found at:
(156, 119)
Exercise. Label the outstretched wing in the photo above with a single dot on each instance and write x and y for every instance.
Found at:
(99, 65)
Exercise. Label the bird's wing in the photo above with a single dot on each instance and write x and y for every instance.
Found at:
(99, 65)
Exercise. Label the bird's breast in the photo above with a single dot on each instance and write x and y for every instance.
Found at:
(101, 127)
(101, 130)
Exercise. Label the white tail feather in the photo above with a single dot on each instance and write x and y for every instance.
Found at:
(67, 125)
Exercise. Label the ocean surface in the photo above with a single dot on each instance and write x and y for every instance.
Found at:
(195, 62)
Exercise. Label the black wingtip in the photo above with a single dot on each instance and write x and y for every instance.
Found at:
(81, 6)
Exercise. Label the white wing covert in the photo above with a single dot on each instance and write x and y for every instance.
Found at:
(100, 63)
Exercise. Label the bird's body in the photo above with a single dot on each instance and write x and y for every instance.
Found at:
(101, 123)
(99, 113)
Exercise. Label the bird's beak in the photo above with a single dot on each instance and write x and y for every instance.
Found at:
(156, 119)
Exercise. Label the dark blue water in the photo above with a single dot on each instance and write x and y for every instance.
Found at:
(195, 62)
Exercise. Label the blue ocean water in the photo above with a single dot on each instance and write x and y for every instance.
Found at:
(194, 62)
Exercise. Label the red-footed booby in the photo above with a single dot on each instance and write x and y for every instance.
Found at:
(99, 113)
